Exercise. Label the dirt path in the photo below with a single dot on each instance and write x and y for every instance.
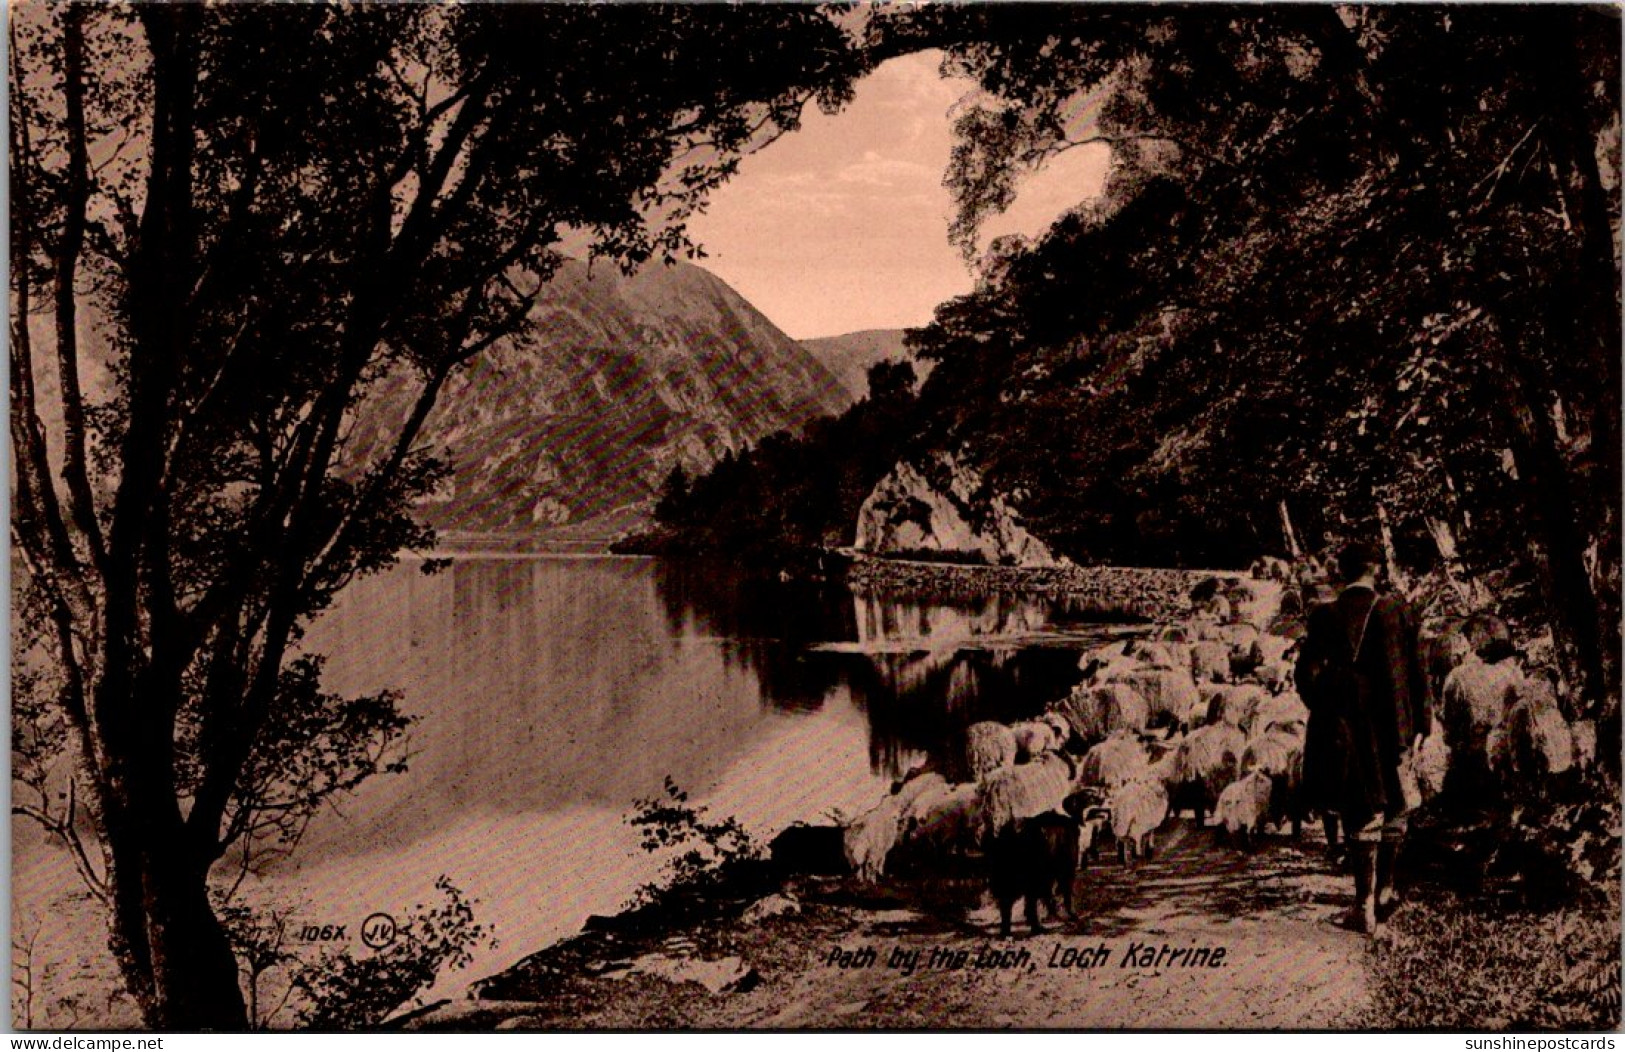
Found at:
(1285, 964)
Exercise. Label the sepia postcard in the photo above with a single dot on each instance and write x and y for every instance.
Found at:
(778, 516)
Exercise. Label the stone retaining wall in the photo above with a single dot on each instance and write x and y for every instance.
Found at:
(1152, 594)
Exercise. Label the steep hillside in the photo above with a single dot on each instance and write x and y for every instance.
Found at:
(615, 381)
(850, 356)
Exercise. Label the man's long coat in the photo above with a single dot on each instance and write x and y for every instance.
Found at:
(1361, 724)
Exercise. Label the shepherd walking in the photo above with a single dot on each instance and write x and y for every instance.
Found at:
(1360, 672)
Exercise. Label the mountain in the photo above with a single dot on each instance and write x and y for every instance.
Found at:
(850, 356)
(615, 381)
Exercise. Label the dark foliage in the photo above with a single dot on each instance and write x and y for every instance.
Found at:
(1453, 966)
(349, 991)
(709, 863)
(791, 493)
(1354, 273)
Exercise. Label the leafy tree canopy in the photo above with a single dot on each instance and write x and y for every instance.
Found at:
(229, 223)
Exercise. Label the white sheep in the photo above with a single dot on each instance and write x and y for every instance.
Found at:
(988, 747)
(1101, 654)
(1120, 758)
(1285, 712)
(1165, 767)
(1158, 654)
(1172, 634)
(870, 838)
(916, 785)
(1058, 723)
(1215, 608)
(1168, 692)
(1138, 809)
(1273, 648)
(1476, 696)
(1206, 761)
(1097, 712)
(1099, 664)
(947, 818)
(1240, 636)
(1034, 738)
(1114, 672)
(1234, 704)
(1245, 804)
(1273, 676)
(1532, 742)
(1266, 649)
(1210, 661)
(1013, 793)
(1253, 603)
(1278, 755)
(1274, 752)
(1432, 765)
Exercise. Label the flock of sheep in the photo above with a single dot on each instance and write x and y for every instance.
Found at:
(1199, 716)
(1194, 717)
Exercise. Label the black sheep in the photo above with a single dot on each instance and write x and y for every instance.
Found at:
(1036, 859)
(809, 849)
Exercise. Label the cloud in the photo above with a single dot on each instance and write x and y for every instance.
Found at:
(875, 170)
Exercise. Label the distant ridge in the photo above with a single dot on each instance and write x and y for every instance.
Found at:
(850, 356)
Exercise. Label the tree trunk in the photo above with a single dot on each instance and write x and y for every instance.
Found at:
(75, 199)
(1468, 589)
(1565, 50)
(171, 948)
(1395, 574)
(1291, 536)
(1556, 540)
(169, 945)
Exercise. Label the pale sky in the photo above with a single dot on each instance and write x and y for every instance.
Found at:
(843, 225)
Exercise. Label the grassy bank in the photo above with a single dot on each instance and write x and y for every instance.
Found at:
(1513, 920)
(1453, 964)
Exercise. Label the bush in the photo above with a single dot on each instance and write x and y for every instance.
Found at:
(710, 859)
(1452, 967)
(344, 992)
(1519, 928)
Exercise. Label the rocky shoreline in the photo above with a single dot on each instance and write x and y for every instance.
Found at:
(1149, 594)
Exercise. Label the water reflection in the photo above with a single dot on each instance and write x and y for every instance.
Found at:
(538, 685)
(542, 684)
(920, 670)
(764, 625)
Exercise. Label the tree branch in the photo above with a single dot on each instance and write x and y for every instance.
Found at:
(76, 196)
(62, 828)
(1500, 169)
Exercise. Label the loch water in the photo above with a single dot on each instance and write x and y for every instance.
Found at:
(550, 693)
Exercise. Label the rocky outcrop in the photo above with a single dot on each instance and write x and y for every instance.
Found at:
(946, 507)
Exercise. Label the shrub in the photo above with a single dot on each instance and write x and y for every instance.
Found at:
(709, 858)
(342, 991)
(1450, 966)
(259, 941)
